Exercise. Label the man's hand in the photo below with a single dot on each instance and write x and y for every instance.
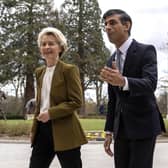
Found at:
(112, 76)
(43, 117)
(107, 143)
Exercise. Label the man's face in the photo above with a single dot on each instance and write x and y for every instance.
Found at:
(116, 31)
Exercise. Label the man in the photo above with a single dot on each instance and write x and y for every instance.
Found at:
(133, 116)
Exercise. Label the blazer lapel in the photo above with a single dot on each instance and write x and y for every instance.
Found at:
(131, 54)
(40, 81)
(56, 76)
(111, 59)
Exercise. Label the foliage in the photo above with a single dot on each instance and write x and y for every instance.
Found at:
(90, 107)
(163, 95)
(22, 127)
(82, 26)
(166, 125)
(92, 124)
(162, 102)
(12, 107)
(15, 127)
(20, 23)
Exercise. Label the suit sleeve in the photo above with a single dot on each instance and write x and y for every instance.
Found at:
(110, 109)
(111, 103)
(146, 82)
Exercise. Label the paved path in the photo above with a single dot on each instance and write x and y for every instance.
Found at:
(16, 155)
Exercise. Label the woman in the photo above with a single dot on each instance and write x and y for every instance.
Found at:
(56, 129)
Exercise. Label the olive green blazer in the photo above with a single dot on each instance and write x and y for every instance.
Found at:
(65, 100)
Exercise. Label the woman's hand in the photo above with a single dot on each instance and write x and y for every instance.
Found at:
(43, 117)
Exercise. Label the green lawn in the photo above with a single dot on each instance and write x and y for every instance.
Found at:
(87, 124)
(22, 127)
(166, 123)
(92, 124)
(15, 127)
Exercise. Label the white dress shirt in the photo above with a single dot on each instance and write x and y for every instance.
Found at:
(123, 49)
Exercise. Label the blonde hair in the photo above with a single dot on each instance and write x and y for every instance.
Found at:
(57, 34)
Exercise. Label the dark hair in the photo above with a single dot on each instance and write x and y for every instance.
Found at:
(124, 17)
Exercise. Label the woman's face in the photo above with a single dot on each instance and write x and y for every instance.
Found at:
(50, 48)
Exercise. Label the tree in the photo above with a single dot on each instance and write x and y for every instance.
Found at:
(162, 103)
(20, 23)
(163, 97)
(82, 25)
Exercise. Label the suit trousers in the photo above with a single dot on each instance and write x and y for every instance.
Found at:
(133, 153)
(43, 151)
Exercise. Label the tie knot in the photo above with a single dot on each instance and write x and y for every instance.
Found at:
(118, 52)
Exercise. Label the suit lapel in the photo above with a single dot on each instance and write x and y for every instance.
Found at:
(56, 76)
(40, 76)
(55, 79)
(131, 54)
(111, 59)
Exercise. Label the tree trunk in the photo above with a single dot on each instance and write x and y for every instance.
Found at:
(82, 110)
(29, 90)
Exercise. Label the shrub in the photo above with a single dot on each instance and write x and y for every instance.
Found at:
(15, 127)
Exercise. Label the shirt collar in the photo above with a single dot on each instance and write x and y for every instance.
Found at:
(50, 69)
(124, 47)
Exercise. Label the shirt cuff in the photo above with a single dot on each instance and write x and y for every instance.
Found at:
(108, 132)
(126, 86)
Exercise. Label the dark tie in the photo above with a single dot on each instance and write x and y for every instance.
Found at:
(118, 60)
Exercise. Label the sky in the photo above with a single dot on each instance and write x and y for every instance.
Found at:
(150, 24)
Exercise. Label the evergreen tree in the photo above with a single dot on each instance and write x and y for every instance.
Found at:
(20, 23)
(82, 21)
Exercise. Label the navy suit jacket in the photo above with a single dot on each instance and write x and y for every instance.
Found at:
(137, 106)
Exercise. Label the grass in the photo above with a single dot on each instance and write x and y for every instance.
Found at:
(166, 123)
(22, 127)
(15, 127)
(92, 124)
